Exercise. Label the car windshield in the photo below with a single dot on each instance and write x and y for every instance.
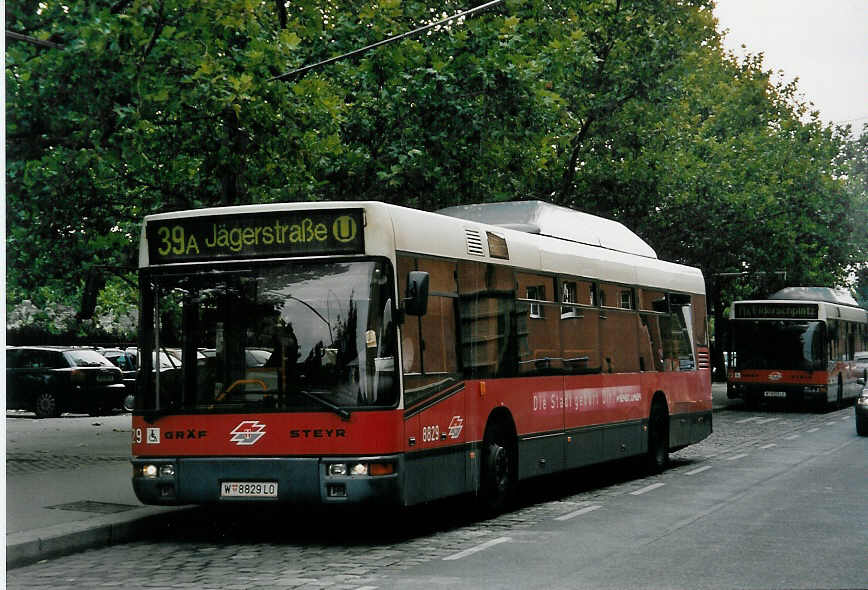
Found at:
(278, 337)
(86, 358)
(778, 345)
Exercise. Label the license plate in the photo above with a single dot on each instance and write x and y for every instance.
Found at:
(105, 378)
(248, 489)
(775, 394)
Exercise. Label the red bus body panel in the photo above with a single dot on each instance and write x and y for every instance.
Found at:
(278, 434)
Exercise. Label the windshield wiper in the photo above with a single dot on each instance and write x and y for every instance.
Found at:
(342, 412)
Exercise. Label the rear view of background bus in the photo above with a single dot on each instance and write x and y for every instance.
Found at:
(799, 345)
(361, 352)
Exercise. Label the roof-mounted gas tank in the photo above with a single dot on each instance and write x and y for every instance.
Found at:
(538, 217)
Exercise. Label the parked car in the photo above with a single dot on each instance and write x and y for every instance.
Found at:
(861, 359)
(50, 380)
(127, 364)
(254, 357)
(861, 406)
(170, 358)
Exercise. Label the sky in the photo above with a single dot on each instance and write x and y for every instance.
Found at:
(823, 43)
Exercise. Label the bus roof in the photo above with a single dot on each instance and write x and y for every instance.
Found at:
(538, 217)
(826, 294)
(605, 251)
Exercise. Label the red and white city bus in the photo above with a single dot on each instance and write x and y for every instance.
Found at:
(364, 352)
(798, 345)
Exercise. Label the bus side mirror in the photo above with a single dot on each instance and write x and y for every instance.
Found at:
(416, 300)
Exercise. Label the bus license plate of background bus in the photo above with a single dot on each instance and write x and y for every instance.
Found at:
(248, 489)
(775, 393)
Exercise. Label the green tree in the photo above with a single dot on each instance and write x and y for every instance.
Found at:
(624, 108)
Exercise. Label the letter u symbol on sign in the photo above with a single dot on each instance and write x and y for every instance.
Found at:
(344, 228)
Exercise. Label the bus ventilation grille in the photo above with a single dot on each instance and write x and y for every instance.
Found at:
(474, 242)
(702, 358)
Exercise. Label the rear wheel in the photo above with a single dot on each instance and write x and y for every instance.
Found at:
(658, 437)
(46, 405)
(498, 468)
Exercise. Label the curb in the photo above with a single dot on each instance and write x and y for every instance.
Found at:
(28, 547)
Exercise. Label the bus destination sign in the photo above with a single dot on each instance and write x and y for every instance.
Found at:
(275, 233)
(768, 310)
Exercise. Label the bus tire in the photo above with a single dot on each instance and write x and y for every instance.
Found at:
(657, 457)
(45, 405)
(498, 468)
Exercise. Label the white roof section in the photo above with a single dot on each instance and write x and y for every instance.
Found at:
(545, 219)
(392, 228)
(827, 294)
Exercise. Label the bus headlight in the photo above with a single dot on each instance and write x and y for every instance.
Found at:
(152, 471)
(337, 469)
(360, 469)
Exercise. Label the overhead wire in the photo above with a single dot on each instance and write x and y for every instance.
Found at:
(357, 52)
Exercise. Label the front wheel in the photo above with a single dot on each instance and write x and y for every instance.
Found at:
(46, 405)
(657, 458)
(129, 402)
(498, 469)
(862, 425)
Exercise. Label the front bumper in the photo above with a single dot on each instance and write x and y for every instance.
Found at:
(300, 480)
(771, 391)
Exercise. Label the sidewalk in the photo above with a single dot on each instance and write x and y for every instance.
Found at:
(58, 511)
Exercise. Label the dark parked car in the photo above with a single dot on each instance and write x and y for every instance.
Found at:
(126, 362)
(51, 380)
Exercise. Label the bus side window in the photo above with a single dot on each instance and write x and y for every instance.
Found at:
(650, 342)
(540, 302)
(700, 325)
(677, 332)
(619, 330)
(490, 335)
(580, 327)
(430, 362)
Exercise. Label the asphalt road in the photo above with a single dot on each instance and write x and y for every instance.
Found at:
(773, 499)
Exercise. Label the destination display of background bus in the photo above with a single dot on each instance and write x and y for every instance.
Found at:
(361, 352)
(798, 345)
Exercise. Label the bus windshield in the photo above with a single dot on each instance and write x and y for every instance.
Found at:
(272, 337)
(778, 345)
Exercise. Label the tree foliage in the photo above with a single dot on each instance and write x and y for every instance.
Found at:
(624, 108)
